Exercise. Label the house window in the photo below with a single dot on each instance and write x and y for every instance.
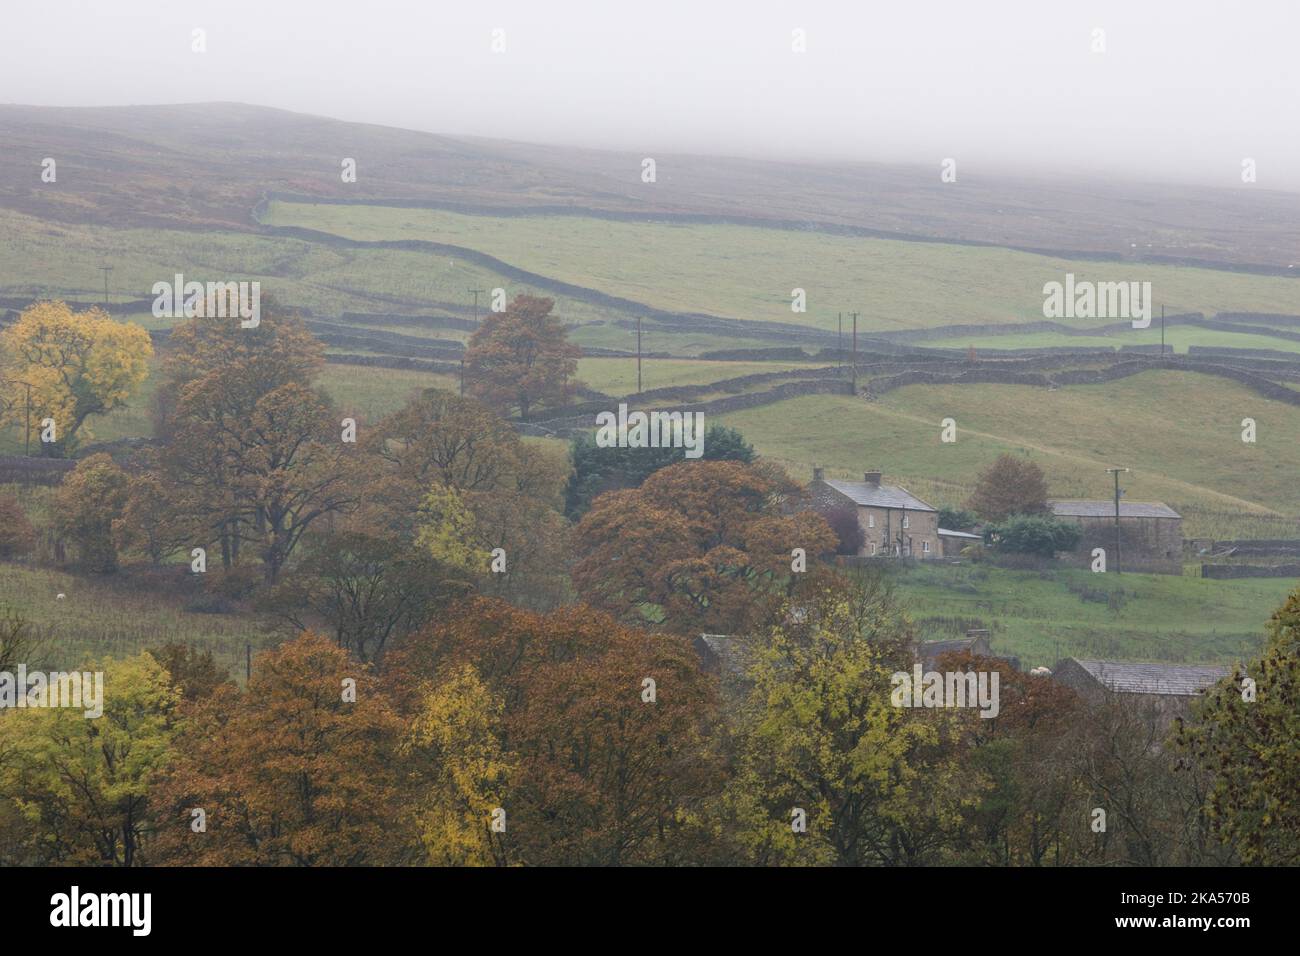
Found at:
(905, 522)
(873, 547)
(871, 521)
(925, 547)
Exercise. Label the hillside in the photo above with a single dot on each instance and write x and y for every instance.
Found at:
(206, 165)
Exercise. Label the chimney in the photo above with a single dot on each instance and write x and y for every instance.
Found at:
(872, 478)
(819, 473)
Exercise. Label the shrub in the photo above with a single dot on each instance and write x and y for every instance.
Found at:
(1032, 534)
(957, 519)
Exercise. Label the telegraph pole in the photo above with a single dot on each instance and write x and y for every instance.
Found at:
(1162, 332)
(475, 293)
(1116, 473)
(855, 352)
(106, 270)
(638, 355)
(839, 342)
(27, 429)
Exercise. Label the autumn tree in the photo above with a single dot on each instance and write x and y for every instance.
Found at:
(610, 730)
(298, 769)
(80, 786)
(77, 364)
(19, 639)
(825, 748)
(151, 523)
(702, 542)
(367, 589)
(91, 497)
(521, 358)
(1248, 737)
(254, 452)
(1035, 810)
(1010, 486)
(193, 670)
(446, 470)
(17, 536)
(444, 438)
(455, 745)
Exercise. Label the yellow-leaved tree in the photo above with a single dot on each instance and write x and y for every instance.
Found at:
(75, 364)
(456, 739)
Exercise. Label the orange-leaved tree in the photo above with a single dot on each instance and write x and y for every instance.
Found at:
(1010, 486)
(703, 542)
(521, 358)
(298, 769)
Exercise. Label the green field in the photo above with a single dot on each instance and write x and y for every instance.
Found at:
(1177, 339)
(617, 376)
(1184, 447)
(105, 617)
(45, 259)
(1043, 616)
(749, 272)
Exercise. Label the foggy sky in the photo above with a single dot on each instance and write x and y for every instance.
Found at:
(1184, 91)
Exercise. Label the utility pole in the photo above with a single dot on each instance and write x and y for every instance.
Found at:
(1116, 473)
(27, 427)
(475, 293)
(638, 355)
(106, 270)
(1162, 332)
(855, 352)
(839, 342)
(27, 430)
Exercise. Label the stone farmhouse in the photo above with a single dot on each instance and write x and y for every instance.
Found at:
(894, 522)
(1150, 534)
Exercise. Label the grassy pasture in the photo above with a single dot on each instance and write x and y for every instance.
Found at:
(1043, 616)
(617, 376)
(1179, 432)
(45, 259)
(1177, 339)
(749, 272)
(105, 617)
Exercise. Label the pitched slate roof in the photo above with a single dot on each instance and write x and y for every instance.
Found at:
(723, 653)
(959, 534)
(1105, 508)
(878, 496)
(1128, 677)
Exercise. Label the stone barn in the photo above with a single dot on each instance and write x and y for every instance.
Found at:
(894, 522)
(1163, 690)
(1150, 534)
